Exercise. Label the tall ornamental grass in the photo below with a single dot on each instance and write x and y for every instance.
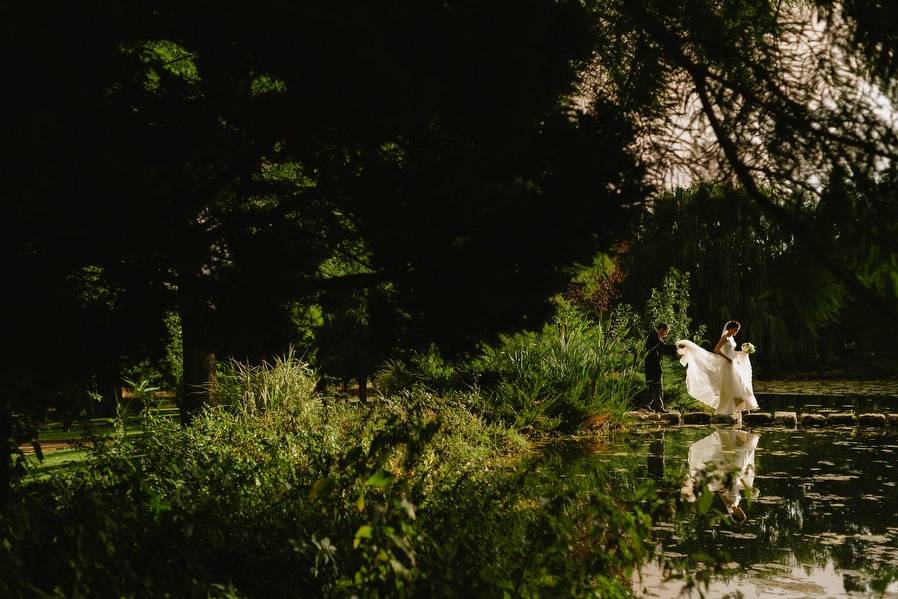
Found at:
(288, 383)
(558, 378)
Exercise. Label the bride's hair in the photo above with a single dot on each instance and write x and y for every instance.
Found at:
(732, 325)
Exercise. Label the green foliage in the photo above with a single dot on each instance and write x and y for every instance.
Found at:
(574, 369)
(288, 384)
(164, 57)
(743, 266)
(408, 496)
(594, 288)
(670, 303)
(172, 362)
(430, 371)
(249, 168)
(15, 430)
(306, 320)
(143, 392)
(557, 378)
(802, 250)
(675, 395)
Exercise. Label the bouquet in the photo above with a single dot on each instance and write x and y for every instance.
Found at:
(748, 348)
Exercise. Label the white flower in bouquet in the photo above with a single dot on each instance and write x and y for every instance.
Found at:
(748, 348)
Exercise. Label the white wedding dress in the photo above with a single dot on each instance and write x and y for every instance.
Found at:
(712, 380)
(723, 453)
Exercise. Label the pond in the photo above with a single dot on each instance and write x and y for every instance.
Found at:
(826, 396)
(822, 522)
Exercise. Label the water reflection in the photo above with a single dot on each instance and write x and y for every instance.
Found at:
(824, 524)
(655, 457)
(725, 460)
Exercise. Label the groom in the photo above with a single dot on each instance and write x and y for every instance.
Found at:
(655, 349)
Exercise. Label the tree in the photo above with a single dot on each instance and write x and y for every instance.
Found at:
(743, 266)
(210, 162)
(780, 96)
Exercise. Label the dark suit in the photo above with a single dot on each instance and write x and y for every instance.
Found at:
(655, 349)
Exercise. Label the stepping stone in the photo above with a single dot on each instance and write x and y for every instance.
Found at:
(639, 415)
(724, 419)
(671, 417)
(813, 420)
(758, 419)
(893, 419)
(785, 418)
(656, 417)
(696, 418)
(872, 420)
(840, 418)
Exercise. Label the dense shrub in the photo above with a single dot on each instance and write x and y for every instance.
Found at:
(423, 370)
(286, 384)
(573, 369)
(578, 369)
(552, 380)
(413, 495)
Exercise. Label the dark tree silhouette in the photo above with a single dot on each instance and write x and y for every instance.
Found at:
(214, 162)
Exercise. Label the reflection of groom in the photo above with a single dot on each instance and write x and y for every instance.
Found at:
(656, 348)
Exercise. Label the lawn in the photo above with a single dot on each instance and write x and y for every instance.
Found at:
(62, 448)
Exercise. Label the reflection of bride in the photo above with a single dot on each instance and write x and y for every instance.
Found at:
(726, 458)
(720, 379)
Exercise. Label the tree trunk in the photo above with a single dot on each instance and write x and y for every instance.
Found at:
(8, 446)
(363, 386)
(198, 379)
(110, 388)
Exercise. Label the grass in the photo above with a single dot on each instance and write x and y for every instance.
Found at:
(56, 459)
(287, 383)
(63, 449)
(572, 374)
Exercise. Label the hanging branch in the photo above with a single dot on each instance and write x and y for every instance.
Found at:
(673, 46)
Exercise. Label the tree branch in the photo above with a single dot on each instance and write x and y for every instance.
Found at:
(673, 47)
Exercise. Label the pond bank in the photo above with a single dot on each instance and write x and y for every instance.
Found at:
(778, 419)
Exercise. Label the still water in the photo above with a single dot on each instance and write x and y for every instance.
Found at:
(820, 506)
(828, 396)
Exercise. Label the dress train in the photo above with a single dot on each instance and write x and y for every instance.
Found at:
(726, 387)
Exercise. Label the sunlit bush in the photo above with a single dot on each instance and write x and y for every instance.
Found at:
(413, 495)
(286, 384)
(573, 369)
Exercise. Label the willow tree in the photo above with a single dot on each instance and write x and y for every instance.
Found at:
(796, 98)
(742, 266)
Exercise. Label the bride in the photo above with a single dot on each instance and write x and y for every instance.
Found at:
(726, 461)
(722, 378)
